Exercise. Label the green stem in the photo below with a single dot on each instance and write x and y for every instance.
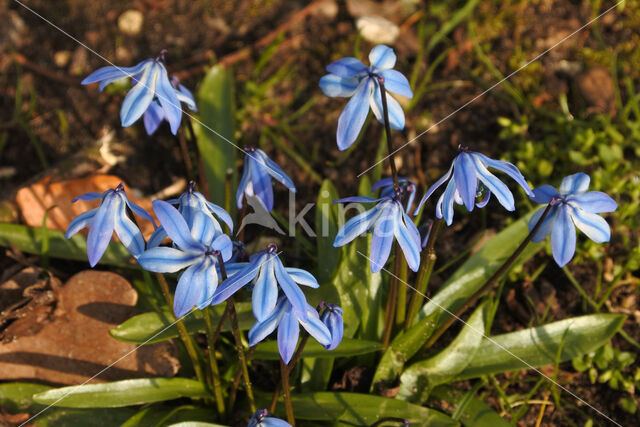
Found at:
(392, 301)
(215, 371)
(427, 263)
(189, 344)
(289, 367)
(387, 129)
(236, 381)
(284, 370)
(401, 310)
(491, 281)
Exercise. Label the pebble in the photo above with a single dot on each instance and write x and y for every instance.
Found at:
(130, 22)
(378, 30)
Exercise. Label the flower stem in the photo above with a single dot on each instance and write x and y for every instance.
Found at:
(236, 381)
(215, 371)
(491, 281)
(233, 316)
(191, 135)
(189, 344)
(427, 263)
(289, 367)
(392, 302)
(387, 128)
(284, 373)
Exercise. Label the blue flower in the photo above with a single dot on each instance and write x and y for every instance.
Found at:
(406, 185)
(572, 205)
(267, 272)
(288, 320)
(387, 219)
(470, 179)
(109, 216)
(256, 178)
(190, 203)
(261, 419)
(195, 249)
(151, 85)
(351, 78)
(332, 318)
(155, 114)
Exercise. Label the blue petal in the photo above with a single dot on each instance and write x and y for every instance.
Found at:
(260, 330)
(302, 277)
(447, 198)
(223, 244)
(497, 187)
(594, 202)
(114, 73)
(382, 58)
(382, 239)
(288, 333)
(544, 194)
(261, 183)
(157, 237)
(356, 199)
(433, 188)
(191, 288)
(265, 291)
(315, 327)
(563, 237)
(184, 95)
(384, 182)
(356, 226)
(221, 213)
(354, 114)
(594, 226)
(464, 174)
(153, 117)
(139, 97)
(507, 168)
(87, 197)
(128, 233)
(291, 290)
(274, 170)
(409, 240)
(81, 221)
(233, 283)
(163, 259)
(547, 224)
(347, 67)
(244, 182)
(273, 422)
(575, 184)
(175, 226)
(334, 85)
(168, 99)
(396, 114)
(396, 82)
(136, 209)
(102, 228)
(335, 324)
(210, 285)
(203, 229)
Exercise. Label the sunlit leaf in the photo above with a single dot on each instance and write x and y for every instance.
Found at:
(348, 347)
(469, 410)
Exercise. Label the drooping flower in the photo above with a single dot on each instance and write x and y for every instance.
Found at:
(190, 203)
(195, 249)
(572, 206)
(332, 318)
(387, 219)
(267, 272)
(261, 419)
(256, 178)
(407, 187)
(351, 78)
(288, 320)
(155, 114)
(110, 216)
(151, 85)
(470, 179)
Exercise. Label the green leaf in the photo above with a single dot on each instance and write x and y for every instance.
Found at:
(479, 267)
(152, 327)
(469, 410)
(121, 393)
(326, 230)
(160, 415)
(30, 240)
(195, 424)
(348, 347)
(539, 346)
(420, 378)
(359, 409)
(91, 417)
(216, 138)
(17, 396)
(403, 347)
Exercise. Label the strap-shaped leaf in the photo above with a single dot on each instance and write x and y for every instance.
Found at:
(348, 347)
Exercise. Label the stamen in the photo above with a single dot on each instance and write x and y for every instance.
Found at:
(272, 247)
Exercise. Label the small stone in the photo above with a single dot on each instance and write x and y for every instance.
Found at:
(62, 58)
(377, 29)
(130, 22)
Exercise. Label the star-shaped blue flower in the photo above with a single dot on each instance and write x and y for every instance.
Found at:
(155, 114)
(267, 272)
(387, 219)
(287, 319)
(151, 85)
(261, 419)
(332, 319)
(195, 249)
(109, 216)
(190, 203)
(407, 187)
(572, 206)
(256, 178)
(351, 78)
(470, 179)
